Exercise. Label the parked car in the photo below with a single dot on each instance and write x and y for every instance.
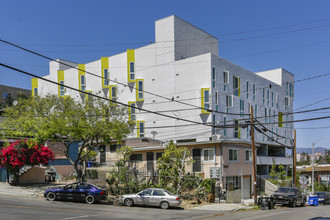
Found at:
(153, 197)
(324, 197)
(77, 192)
(289, 196)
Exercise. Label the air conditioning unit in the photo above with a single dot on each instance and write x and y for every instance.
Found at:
(216, 137)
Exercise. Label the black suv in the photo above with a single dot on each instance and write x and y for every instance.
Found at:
(289, 196)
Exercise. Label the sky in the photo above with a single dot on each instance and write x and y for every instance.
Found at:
(256, 35)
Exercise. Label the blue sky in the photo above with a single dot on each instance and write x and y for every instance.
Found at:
(257, 35)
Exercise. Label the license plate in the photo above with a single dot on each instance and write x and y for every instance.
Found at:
(281, 197)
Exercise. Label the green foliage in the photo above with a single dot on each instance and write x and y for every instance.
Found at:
(66, 120)
(273, 174)
(320, 187)
(282, 175)
(122, 179)
(170, 164)
(208, 185)
(190, 182)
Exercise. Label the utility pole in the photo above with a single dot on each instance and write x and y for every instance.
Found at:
(253, 158)
(294, 160)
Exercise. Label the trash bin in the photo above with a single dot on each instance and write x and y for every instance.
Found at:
(266, 203)
(313, 200)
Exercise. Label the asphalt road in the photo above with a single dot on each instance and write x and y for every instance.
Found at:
(37, 208)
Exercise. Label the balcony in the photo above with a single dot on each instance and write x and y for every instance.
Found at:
(268, 160)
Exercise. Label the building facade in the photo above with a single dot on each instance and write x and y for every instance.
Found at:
(181, 75)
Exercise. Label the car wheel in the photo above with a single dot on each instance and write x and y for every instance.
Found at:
(303, 204)
(129, 202)
(325, 202)
(164, 205)
(90, 199)
(51, 196)
(294, 203)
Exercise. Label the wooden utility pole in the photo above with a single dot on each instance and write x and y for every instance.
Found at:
(253, 158)
(294, 160)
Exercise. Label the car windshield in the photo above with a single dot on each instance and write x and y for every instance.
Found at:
(287, 190)
(321, 195)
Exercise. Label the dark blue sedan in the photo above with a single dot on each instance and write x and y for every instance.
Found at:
(77, 192)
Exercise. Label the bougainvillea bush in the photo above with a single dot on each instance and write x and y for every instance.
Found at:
(24, 152)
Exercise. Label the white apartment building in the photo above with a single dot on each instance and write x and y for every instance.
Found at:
(183, 65)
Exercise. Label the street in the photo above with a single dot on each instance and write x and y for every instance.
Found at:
(38, 208)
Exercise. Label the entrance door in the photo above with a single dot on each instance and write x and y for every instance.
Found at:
(197, 165)
(103, 158)
(150, 161)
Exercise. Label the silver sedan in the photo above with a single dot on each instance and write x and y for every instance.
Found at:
(152, 197)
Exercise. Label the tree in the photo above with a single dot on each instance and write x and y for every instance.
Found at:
(273, 174)
(54, 118)
(282, 175)
(21, 153)
(171, 163)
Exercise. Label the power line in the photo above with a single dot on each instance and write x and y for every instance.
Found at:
(120, 103)
(125, 85)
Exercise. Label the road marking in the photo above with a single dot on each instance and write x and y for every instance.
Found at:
(83, 216)
(56, 209)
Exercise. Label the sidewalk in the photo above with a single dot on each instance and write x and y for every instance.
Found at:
(226, 206)
(29, 191)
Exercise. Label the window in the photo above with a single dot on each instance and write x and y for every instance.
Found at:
(255, 110)
(236, 85)
(82, 83)
(158, 155)
(248, 155)
(224, 123)
(254, 92)
(247, 90)
(276, 100)
(131, 71)
(132, 111)
(213, 77)
(139, 92)
(229, 101)
(241, 108)
(106, 77)
(113, 148)
(206, 99)
(287, 101)
(5, 94)
(140, 128)
(208, 155)
(213, 123)
(265, 115)
(263, 95)
(62, 90)
(267, 97)
(158, 192)
(225, 77)
(291, 91)
(113, 93)
(135, 157)
(236, 129)
(233, 154)
(35, 91)
(216, 100)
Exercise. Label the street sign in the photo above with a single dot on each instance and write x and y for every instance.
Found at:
(303, 180)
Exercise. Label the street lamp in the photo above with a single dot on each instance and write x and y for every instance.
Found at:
(313, 158)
